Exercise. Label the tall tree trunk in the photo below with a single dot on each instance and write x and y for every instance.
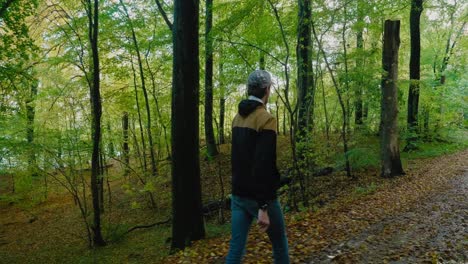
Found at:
(390, 151)
(415, 72)
(125, 147)
(222, 102)
(327, 123)
(101, 180)
(145, 92)
(30, 116)
(359, 64)
(305, 82)
(277, 117)
(346, 68)
(110, 144)
(92, 10)
(138, 154)
(209, 133)
(284, 120)
(143, 156)
(187, 216)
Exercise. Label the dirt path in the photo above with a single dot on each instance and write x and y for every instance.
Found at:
(434, 230)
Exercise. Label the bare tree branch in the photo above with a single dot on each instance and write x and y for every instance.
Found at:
(164, 15)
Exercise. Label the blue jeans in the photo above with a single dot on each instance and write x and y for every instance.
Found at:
(243, 212)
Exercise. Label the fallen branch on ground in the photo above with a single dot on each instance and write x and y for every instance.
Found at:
(148, 226)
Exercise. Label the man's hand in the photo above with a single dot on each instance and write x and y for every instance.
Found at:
(263, 220)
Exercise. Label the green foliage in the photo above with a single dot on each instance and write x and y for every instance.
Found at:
(361, 158)
(364, 158)
(438, 148)
(28, 192)
(115, 232)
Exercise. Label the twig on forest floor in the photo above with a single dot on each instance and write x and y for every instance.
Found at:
(148, 226)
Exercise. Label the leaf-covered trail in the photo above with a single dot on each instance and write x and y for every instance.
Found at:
(411, 219)
(434, 230)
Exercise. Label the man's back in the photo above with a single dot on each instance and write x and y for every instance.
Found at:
(254, 173)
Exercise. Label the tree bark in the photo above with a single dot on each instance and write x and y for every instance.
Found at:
(187, 220)
(209, 133)
(346, 71)
(92, 9)
(390, 151)
(415, 72)
(305, 82)
(222, 103)
(359, 64)
(30, 116)
(110, 144)
(143, 156)
(325, 111)
(125, 147)
(277, 117)
(164, 15)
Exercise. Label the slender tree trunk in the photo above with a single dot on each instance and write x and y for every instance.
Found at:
(125, 147)
(390, 151)
(209, 134)
(136, 146)
(415, 73)
(60, 150)
(92, 9)
(145, 92)
(30, 116)
(426, 121)
(284, 121)
(143, 157)
(346, 81)
(187, 216)
(110, 144)
(277, 116)
(359, 65)
(305, 82)
(101, 181)
(327, 123)
(222, 103)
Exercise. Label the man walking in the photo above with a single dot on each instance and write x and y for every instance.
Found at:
(255, 177)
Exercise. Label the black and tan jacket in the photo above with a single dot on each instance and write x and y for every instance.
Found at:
(254, 172)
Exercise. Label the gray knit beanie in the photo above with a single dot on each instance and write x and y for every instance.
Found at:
(258, 80)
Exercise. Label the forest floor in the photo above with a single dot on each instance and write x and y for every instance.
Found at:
(416, 218)
(433, 230)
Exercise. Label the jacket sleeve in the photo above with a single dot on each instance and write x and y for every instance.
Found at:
(265, 172)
